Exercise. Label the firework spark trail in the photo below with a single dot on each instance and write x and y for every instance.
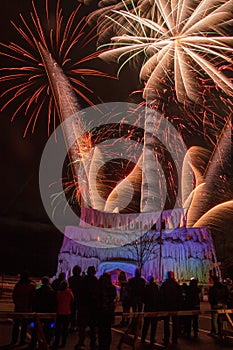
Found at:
(217, 218)
(186, 38)
(217, 179)
(187, 118)
(119, 197)
(166, 48)
(133, 180)
(42, 80)
(185, 46)
(77, 142)
(195, 163)
(143, 29)
(110, 23)
(29, 84)
(161, 157)
(69, 194)
(85, 160)
(114, 144)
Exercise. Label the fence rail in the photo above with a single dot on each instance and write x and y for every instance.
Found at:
(131, 334)
(173, 313)
(31, 315)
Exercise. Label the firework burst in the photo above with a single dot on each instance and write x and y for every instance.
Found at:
(181, 44)
(184, 43)
(28, 79)
(180, 47)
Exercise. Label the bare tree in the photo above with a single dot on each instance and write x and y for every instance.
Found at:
(143, 247)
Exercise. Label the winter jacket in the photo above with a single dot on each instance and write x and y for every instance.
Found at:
(170, 294)
(107, 295)
(65, 299)
(89, 293)
(136, 288)
(75, 285)
(151, 297)
(23, 294)
(45, 299)
(218, 294)
(193, 298)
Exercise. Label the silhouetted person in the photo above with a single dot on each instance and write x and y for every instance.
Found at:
(170, 294)
(44, 301)
(23, 294)
(184, 320)
(56, 283)
(65, 300)
(218, 296)
(75, 285)
(124, 296)
(151, 300)
(107, 296)
(88, 309)
(229, 285)
(136, 287)
(193, 298)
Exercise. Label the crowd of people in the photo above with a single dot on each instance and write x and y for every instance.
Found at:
(84, 303)
(169, 296)
(80, 302)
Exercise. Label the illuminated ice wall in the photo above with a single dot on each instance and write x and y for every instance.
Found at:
(186, 251)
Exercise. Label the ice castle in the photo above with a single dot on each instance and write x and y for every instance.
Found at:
(157, 242)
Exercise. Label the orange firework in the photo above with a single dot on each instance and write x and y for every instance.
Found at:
(28, 79)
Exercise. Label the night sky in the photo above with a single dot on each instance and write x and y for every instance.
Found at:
(28, 238)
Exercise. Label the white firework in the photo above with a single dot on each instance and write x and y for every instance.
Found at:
(184, 41)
